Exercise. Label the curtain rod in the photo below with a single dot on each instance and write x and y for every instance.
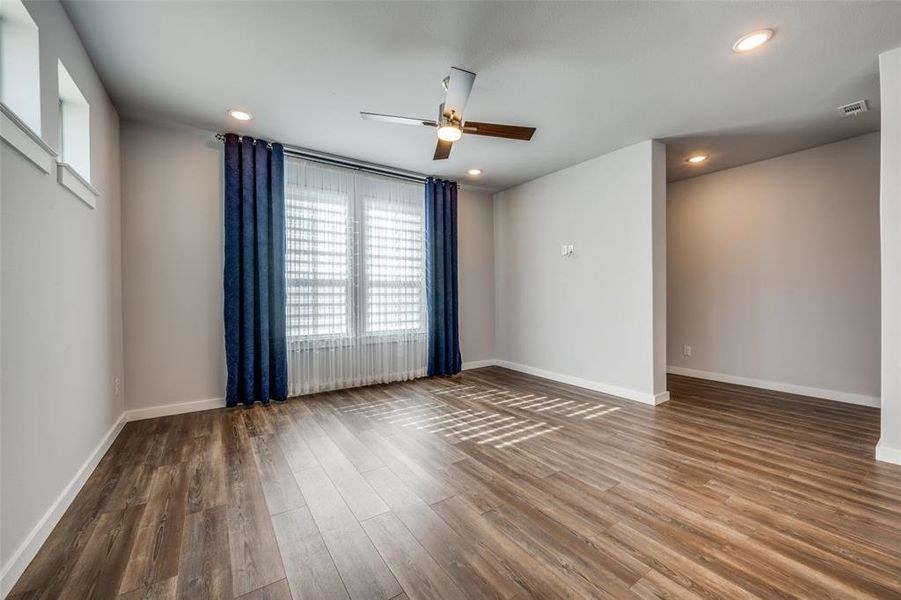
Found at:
(341, 161)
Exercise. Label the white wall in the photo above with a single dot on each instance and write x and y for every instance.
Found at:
(172, 254)
(595, 318)
(172, 246)
(475, 232)
(889, 448)
(61, 308)
(774, 272)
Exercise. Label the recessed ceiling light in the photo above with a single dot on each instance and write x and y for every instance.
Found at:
(241, 115)
(699, 158)
(755, 39)
(475, 171)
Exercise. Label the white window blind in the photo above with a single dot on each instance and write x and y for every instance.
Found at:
(355, 271)
(318, 263)
(394, 261)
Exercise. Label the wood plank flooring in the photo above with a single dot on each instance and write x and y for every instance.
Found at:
(492, 484)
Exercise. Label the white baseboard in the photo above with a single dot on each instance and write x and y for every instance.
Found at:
(26, 551)
(777, 386)
(612, 390)
(478, 364)
(888, 454)
(165, 410)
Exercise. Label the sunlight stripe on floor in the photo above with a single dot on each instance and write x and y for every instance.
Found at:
(387, 410)
(470, 418)
(531, 435)
(574, 406)
(585, 410)
(515, 398)
(490, 431)
(454, 428)
(372, 405)
(528, 437)
(508, 434)
(416, 419)
(389, 413)
(415, 413)
(603, 412)
(526, 401)
(468, 414)
(492, 423)
(555, 407)
(482, 394)
(536, 404)
(453, 390)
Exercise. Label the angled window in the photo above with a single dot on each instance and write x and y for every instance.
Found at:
(20, 76)
(74, 125)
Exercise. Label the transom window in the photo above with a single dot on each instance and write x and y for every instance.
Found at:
(20, 72)
(74, 125)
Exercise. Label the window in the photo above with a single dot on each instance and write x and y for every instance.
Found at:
(355, 274)
(318, 265)
(74, 125)
(394, 261)
(20, 76)
(355, 262)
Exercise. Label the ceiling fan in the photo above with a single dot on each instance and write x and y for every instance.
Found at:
(450, 125)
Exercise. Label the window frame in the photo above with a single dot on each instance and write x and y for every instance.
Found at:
(357, 319)
(74, 125)
(364, 312)
(348, 283)
(16, 23)
(21, 123)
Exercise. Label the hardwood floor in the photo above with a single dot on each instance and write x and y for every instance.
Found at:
(492, 484)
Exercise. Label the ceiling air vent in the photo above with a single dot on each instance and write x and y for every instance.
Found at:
(854, 108)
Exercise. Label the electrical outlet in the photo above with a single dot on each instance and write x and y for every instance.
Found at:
(117, 385)
(570, 250)
(563, 250)
(686, 351)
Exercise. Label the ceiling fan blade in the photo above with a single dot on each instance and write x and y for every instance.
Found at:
(399, 120)
(511, 132)
(442, 150)
(459, 85)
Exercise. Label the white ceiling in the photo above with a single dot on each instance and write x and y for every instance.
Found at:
(592, 77)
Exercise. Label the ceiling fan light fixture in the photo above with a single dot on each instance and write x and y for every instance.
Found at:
(449, 133)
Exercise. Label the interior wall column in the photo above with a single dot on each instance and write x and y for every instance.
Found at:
(889, 447)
